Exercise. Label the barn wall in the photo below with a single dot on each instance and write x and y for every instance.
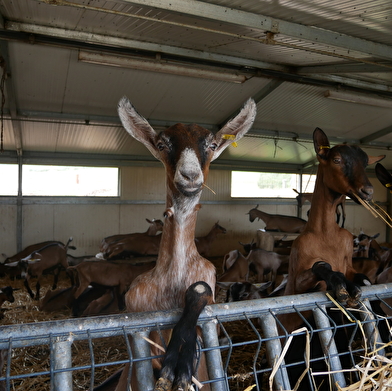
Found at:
(143, 196)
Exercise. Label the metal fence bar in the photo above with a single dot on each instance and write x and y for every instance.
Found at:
(213, 356)
(368, 321)
(62, 334)
(143, 367)
(62, 360)
(274, 349)
(328, 343)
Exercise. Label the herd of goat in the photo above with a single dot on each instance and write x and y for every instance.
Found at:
(321, 258)
(101, 280)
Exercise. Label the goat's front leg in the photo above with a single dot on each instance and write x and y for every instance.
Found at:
(26, 284)
(345, 291)
(37, 289)
(178, 364)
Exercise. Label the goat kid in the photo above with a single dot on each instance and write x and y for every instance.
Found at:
(238, 270)
(266, 262)
(203, 243)
(280, 223)
(186, 152)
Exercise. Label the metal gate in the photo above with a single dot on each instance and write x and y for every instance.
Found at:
(259, 317)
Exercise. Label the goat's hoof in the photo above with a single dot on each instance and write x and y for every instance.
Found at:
(163, 385)
(342, 295)
(354, 298)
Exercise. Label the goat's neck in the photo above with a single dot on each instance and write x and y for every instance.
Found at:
(323, 209)
(177, 243)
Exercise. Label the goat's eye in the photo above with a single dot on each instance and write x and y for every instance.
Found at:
(213, 146)
(336, 160)
(161, 146)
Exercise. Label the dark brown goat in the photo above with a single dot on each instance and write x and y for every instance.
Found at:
(6, 294)
(49, 258)
(29, 249)
(321, 256)
(14, 272)
(276, 222)
(203, 243)
(58, 299)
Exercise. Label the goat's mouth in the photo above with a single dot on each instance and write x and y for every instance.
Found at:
(189, 190)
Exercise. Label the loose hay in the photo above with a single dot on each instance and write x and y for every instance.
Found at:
(37, 359)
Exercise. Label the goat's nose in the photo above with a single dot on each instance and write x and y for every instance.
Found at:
(367, 192)
(190, 174)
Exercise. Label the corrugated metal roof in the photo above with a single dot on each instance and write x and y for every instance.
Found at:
(291, 53)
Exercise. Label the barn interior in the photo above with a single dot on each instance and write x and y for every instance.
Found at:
(65, 65)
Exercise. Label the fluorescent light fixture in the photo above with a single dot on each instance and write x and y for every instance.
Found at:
(162, 66)
(358, 98)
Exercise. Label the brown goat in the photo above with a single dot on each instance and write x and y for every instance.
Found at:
(134, 246)
(58, 299)
(154, 227)
(279, 223)
(107, 304)
(186, 152)
(203, 243)
(49, 258)
(6, 294)
(321, 256)
(303, 197)
(105, 273)
(238, 270)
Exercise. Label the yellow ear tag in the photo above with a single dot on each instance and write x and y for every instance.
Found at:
(388, 185)
(230, 137)
(324, 147)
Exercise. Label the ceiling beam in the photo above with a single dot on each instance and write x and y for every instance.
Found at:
(99, 42)
(271, 86)
(376, 135)
(9, 85)
(266, 23)
(345, 68)
(111, 42)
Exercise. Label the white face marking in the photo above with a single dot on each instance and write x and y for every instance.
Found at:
(189, 166)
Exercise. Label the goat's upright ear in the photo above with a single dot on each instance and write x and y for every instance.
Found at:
(235, 129)
(384, 176)
(321, 143)
(136, 125)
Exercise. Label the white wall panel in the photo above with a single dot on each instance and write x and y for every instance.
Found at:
(143, 197)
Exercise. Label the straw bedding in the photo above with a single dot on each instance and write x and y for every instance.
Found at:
(376, 371)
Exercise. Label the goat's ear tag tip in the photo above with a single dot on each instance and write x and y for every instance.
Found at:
(230, 137)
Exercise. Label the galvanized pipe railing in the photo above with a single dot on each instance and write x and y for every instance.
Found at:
(61, 334)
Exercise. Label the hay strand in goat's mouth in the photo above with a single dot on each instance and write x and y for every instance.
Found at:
(209, 188)
(375, 210)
